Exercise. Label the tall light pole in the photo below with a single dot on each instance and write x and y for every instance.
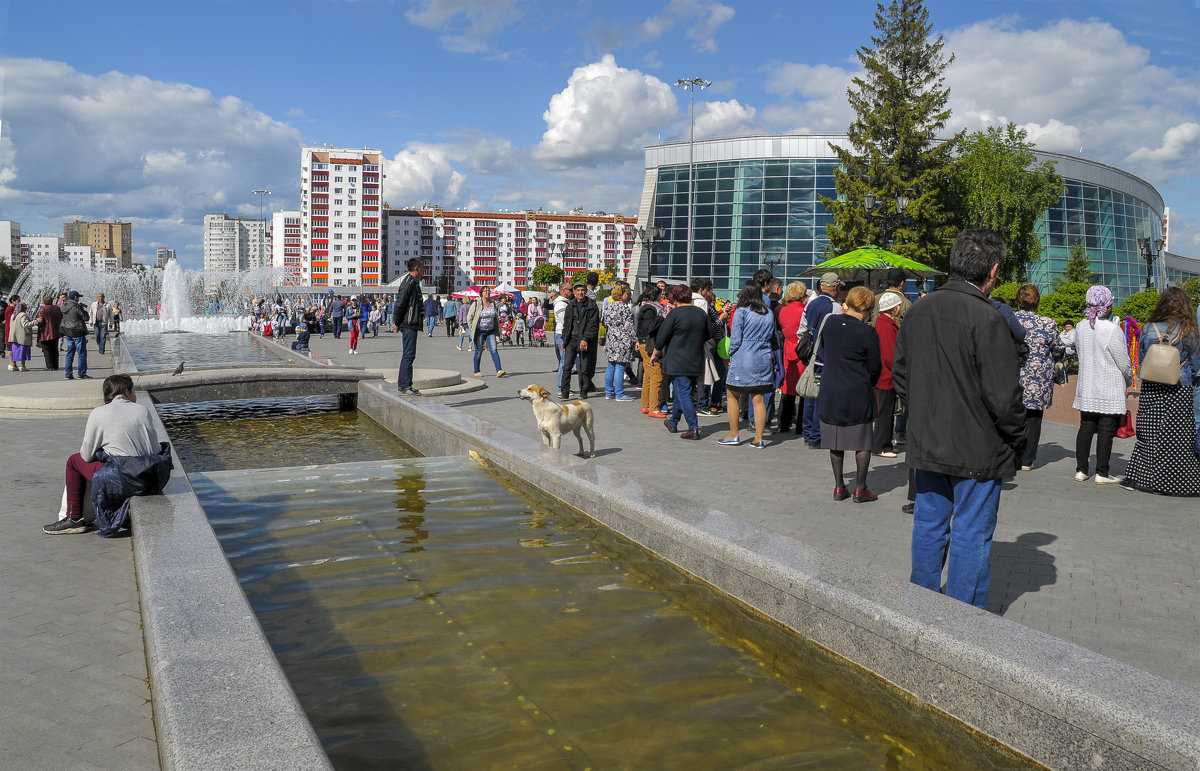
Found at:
(1150, 251)
(262, 233)
(649, 237)
(691, 85)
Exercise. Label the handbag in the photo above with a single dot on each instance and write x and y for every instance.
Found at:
(804, 346)
(809, 384)
(1161, 364)
(1060, 373)
(1126, 429)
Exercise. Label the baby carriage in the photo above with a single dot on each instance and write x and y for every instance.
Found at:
(506, 329)
(538, 325)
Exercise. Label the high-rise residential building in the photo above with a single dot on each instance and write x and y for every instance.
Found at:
(84, 256)
(237, 243)
(163, 255)
(10, 243)
(340, 216)
(287, 244)
(44, 248)
(115, 239)
(460, 249)
(75, 233)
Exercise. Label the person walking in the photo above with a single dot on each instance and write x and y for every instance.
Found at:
(680, 346)
(433, 312)
(484, 322)
(450, 315)
(650, 317)
(75, 329)
(116, 318)
(966, 421)
(814, 313)
(847, 401)
(581, 338)
(464, 330)
(559, 310)
(886, 329)
(99, 317)
(49, 319)
(751, 372)
(20, 337)
(1164, 459)
(1037, 370)
(406, 319)
(1105, 371)
(337, 312)
(620, 342)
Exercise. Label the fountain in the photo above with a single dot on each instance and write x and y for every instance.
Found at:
(167, 300)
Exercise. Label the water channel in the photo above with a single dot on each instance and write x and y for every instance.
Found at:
(431, 613)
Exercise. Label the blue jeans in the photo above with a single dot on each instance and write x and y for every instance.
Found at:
(954, 515)
(487, 338)
(430, 324)
(101, 335)
(404, 379)
(614, 379)
(77, 345)
(682, 405)
(337, 327)
(812, 422)
(464, 335)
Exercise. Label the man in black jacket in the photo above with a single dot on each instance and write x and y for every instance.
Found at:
(956, 366)
(580, 338)
(406, 319)
(75, 328)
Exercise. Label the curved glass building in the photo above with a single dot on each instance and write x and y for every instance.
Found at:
(755, 202)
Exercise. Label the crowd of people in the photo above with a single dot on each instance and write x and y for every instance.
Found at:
(57, 327)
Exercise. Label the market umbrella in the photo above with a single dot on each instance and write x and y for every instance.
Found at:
(466, 294)
(863, 262)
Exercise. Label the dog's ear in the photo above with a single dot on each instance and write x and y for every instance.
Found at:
(541, 391)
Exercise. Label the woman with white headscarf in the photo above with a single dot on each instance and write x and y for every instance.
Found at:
(1105, 371)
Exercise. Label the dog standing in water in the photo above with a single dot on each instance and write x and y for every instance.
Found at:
(554, 419)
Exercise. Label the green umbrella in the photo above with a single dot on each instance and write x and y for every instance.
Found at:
(860, 264)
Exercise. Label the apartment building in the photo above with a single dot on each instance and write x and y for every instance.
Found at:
(10, 243)
(340, 216)
(163, 255)
(84, 256)
(75, 233)
(287, 244)
(115, 239)
(235, 243)
(461, 249)
(44, 248)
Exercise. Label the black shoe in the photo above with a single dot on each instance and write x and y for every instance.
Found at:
(66, 526)
(564, 397)
(691, 433)
(814, 446)
(410, 392)
(672, 427)
(70, 377)
(1127, 484)
(84, 377)
(908, 508)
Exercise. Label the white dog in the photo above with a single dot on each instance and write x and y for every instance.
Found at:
(555, 419)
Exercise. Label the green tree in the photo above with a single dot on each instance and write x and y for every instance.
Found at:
(547, 274)
(901, 104)
(999, 185)
(1078, 267)
(1192, 287)
(8, 275)
(1138, 305)
(1007, 293)
(578, 277)
(1065, 303)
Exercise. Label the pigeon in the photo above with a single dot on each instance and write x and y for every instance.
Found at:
(178, 370)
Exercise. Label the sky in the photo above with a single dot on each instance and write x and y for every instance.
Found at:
(158, 111)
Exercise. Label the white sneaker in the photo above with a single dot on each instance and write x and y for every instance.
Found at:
(1080, 476)
(1107, 480)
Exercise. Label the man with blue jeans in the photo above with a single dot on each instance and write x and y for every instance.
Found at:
(75, 328)
(337, 312)
(406, 319)
(559, 309)
(956, 366)
(816, 311)
(99, 316)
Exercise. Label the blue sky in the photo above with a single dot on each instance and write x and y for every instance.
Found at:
(157, 111)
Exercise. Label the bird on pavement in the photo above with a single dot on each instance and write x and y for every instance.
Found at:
(178, 370)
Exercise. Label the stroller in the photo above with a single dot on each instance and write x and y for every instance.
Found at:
(538, 327)
(506, 330)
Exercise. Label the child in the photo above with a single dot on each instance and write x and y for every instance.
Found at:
(519, 329)
(302, 335)
(376, 317)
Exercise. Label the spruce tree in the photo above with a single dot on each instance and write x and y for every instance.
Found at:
(1078, 267)
(895, 149)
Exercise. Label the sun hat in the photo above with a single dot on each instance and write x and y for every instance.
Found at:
(888, 300)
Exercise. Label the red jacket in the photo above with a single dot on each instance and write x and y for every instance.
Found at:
(887, 330)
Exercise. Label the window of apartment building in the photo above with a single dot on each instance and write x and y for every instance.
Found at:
(337, 201)
(337, 212)
(337, 224)
(351, 270)
(337, 247)
(351, 248)
(337, 270)
(352, 213)
(337, 179)
(337, 236)
(337, 190)
(337, 167)
(337, 258)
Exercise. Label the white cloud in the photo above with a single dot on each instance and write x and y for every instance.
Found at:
(702, 17)
(421, 173)
(469, 24)
(1179, 143)
(814, 98)
(722, 119)
(605, 114)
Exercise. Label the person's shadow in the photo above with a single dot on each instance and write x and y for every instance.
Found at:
(1019, 567)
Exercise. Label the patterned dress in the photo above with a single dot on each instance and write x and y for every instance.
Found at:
(620, 336)
(1037, 374)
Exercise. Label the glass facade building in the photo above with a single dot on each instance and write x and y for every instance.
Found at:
(755, 203)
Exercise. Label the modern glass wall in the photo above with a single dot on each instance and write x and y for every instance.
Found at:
(1108, 223)
(748, 212)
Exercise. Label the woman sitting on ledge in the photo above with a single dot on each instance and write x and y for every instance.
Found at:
(121, 456)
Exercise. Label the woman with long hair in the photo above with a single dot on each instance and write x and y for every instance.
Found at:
(1105, 371)
(751, 362)
(847, 402)
(791, 408)
(484, 321)
(1037, 372)
(1163, 459)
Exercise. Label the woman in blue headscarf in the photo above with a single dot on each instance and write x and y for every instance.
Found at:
(1105, 371)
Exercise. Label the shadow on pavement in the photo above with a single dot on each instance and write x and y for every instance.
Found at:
(1020, 567)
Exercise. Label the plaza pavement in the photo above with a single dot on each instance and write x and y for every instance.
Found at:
(1108, 569)
(74, 681)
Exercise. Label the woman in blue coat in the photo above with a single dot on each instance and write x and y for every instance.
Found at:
(847, 402)
(751, 362)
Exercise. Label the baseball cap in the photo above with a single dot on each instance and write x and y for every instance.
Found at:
(895, 276)
(579, 283)
(832, 279)
(74, 295)
(888, 300)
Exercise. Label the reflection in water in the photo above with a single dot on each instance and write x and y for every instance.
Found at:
(428, 616)
(164, 351)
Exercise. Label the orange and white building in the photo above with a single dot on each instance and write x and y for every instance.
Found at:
(460, 249)
(340, 217)
(287, 244)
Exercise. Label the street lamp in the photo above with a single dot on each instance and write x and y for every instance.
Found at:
(691, 85)
(874, 208)
(1144, 245)
(649, 237)
(772, 261)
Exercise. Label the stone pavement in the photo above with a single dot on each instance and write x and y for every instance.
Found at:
(1108, 569)
(74, 680)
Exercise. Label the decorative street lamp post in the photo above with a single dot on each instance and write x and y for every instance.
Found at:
(649, 237)
(1149, 255)
(262, 231)
(691, 85)
(874, 208)
(772, 260)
